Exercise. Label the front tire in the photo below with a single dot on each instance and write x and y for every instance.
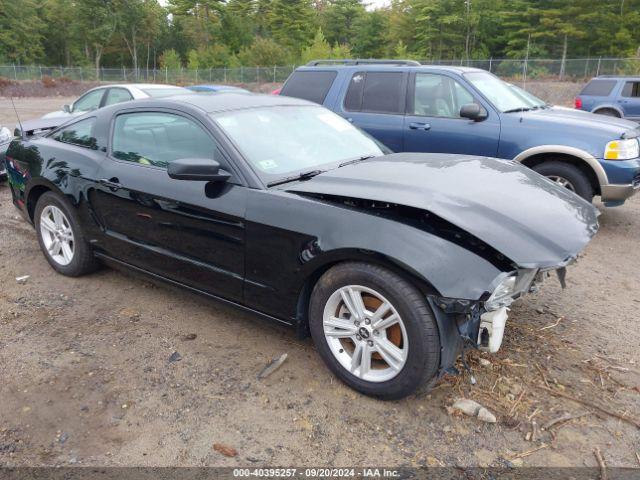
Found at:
(568, 176)
(374, 330)
(60, 237)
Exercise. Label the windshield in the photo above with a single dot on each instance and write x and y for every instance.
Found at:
(165, 92)
(529, 97)
(286, 140)
(503, 96)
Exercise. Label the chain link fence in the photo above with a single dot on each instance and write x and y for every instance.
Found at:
(575, 69)
(275, 74)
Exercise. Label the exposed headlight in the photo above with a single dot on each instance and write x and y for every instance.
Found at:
(622, 149)
(5, 134)
(503, 294)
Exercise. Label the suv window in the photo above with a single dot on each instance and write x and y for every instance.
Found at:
(631, 89)
(117, 95)
(599, 88)
(439, 96)
(376, 92)
(312, 86)
(158, 138)
(89, 101)
(78, 133)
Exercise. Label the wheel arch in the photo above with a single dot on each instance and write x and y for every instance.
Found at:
(35, 191)
(574, 156)
(322, 265)
(607, 106)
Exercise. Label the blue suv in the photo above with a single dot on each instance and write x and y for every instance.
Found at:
(612, 96)
(417, 108)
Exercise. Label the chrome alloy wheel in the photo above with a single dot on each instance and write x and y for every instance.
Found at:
(365, 333)
(561, 181)
(57, 235)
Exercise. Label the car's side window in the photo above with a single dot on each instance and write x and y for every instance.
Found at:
(117, 95)
(631, 89)
(599, 88)
(78, 133)
(376, 92)
(89, 101)
(309, 85)
(158, 138)
(439, 96)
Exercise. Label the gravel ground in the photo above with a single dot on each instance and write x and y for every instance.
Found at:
(86, 376)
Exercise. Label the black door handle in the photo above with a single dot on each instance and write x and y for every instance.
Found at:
(419, 126)
(112, 184)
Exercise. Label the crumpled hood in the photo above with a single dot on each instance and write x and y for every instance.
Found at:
(521, 214)
(40, 125)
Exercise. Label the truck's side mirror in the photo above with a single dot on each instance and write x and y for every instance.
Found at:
(66, 109)
(473, 111)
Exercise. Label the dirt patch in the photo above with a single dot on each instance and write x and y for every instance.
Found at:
(555, 93)
(88, 374)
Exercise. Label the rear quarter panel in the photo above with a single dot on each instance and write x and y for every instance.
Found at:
(41, 162)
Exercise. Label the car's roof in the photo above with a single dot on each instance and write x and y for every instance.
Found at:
(617, 77)
(136, 85)
(215, 85)
(391, 67)
(225, 101)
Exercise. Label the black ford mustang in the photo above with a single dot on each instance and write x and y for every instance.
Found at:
(392, 262)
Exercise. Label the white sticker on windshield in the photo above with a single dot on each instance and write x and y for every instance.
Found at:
(268, 164)
(335, 122)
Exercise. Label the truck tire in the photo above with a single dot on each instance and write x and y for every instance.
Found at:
(568, 176)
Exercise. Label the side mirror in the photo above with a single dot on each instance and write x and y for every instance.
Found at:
(66, 109)
(202, 169)
(473, 111)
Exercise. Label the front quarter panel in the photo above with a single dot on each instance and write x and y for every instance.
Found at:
(289, 237)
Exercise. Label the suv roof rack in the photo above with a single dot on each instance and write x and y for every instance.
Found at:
(346, 61)
(618, 76)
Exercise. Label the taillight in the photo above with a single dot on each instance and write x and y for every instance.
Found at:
(578, 102)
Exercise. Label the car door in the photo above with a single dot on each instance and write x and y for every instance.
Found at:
(630, 99)
(191, 232)
(433, 123)
(375, 102)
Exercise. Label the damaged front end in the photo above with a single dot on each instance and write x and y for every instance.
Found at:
(481, 324)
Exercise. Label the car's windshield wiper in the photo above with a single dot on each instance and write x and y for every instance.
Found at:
(355, 160)
(519, 109)
(293, 178)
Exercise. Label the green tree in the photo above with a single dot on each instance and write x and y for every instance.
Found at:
(338, 19)
(21, 31)
(238, 23)
(170, 60)
(319, 49)
(264, 52)
(97, 20)
(370, 35)
(292, 23)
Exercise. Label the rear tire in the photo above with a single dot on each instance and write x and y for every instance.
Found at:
(568, 176)
(400, 335)
(608, 112)
(60, 237)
